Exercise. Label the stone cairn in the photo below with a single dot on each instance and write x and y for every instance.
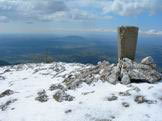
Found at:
(125, 71)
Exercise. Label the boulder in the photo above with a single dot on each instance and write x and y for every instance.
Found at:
(147, 61)
(42, 96)
(114, 76)
(125, 104)
(145, 71)
(125, 79)
(6, 93)
(112, 98)
(56, 86)
(61, 95)
(141, 99)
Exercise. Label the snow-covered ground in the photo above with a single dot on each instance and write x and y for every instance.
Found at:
(99, 101)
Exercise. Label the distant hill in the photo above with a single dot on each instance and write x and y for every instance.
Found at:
(4, 63)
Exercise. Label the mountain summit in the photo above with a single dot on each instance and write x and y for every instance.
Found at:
(76, 92)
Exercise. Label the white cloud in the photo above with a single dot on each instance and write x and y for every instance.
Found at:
(47, 10)
(132, 7)
(4, 19)
(30, 9)
(51, 10)
(152, 32)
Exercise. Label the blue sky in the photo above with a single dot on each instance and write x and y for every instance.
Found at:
(78, 16)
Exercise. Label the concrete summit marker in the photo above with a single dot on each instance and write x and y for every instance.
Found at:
(127, 40)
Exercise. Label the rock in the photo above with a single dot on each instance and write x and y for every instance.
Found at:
(124, 93)
(112, 98)
(69, 80)
(7, 70)
(153, 76)
(125, 79)
(68, 111)
(2, 78)
(42, 96)
(4, 106)
(114, 76)
(74, 84)
(151, 101)
(6, 93)
(56, 86)
(60, 96)
(125, 71)
(103, 65)
(125, 104)
(142, 72)
(103, 120)
(139, 99)
(137, 89)
(147, 61)
(86, 93)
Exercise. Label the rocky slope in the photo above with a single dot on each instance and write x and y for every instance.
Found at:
(76, 92)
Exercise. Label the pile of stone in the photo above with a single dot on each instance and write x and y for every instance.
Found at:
(125, 72)
(145, 71)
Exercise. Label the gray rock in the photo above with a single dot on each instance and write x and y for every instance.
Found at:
(2, 78)
(151, 101)
(112, 98)
(56, 86)
(6, 93)
(113, 77)
(125, 104)
(42, 96)
(68, 111)
(125, 70)
(4, 106)
(147, 61)
(125, 79)
(103, 120)
(126, 93)
(139, 99)
(137, 89)
(144, 71)
(60, 96)
(86, 93)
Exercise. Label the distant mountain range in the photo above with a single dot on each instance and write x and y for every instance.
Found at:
(4, 63)
(24, 48)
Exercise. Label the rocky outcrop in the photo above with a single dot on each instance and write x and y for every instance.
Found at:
(125, 72)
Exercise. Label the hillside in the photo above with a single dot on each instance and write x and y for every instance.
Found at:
(77, 92)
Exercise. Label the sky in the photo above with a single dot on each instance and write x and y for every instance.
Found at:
(77, 16)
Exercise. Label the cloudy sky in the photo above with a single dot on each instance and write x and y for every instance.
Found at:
(50, 16)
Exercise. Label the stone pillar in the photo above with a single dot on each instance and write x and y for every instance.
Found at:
(127, 40)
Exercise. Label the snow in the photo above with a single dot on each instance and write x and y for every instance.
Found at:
(90, 102)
